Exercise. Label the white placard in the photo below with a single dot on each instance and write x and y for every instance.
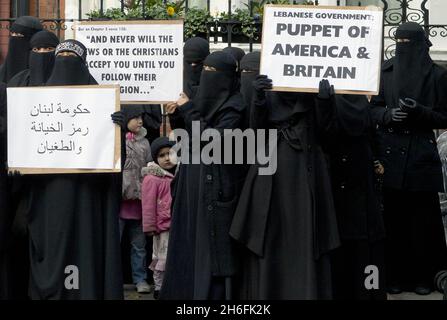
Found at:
(303, 44)
(145, 58)
(62, 128)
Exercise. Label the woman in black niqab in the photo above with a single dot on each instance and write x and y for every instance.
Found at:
(348, 133)
(217, 87)
(41, 61)
(415, 242)
(207, 259)
(221, 107)
(70, 67)
(74, 217)
(19, 46)
(194, 52)
(286, 221)
(412, 63)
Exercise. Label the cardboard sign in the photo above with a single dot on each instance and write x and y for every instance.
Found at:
(144, 57)
(303, 44)
(63, 129)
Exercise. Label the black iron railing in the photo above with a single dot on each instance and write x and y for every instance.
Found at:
(229, 30)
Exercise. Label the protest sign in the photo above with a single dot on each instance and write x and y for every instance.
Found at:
(144, 57)
(303, 44)
(63, 129)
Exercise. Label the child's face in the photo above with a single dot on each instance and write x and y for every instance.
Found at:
(134, 125)
(164, 159)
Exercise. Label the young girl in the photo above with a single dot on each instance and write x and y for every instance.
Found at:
(156, 202)
(137, 155)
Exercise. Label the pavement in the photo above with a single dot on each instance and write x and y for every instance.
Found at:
(413, 296)
(131, 294)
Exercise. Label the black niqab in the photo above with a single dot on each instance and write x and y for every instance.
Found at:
(71, 70)
(19, 47)
(27, 26)
(195, 51)
(216, 87)
(40, 64)
(412, 65)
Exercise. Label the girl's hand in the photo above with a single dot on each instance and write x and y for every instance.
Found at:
(171, 107)
(182, 100)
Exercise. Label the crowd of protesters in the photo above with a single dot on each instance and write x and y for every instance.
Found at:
(356, 186)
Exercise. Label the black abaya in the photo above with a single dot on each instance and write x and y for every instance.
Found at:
(408, 152)
(205, 197)
(74, 222)
(287, 220)
(40, 68)
(178, 283)
(348, 135)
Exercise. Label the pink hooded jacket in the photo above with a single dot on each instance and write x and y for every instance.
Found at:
(156, 198)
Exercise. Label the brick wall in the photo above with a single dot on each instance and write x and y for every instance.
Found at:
(47, 10)
(5, 9)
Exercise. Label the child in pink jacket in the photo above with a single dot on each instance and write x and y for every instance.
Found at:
(156, 202)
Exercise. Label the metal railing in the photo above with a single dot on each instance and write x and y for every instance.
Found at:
(229, 30)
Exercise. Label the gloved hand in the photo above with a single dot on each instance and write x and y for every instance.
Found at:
(119, 118)
(325, 90)
(261, 84)
(398, 115)
(394, 115)
(408, 105)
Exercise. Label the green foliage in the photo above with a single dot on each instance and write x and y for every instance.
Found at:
(196, 21)
(155, 9)
(161, 11)
(258, 6)
(113, 14)
(248, 27)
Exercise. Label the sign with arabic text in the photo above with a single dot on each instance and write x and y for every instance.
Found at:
(63, 129)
